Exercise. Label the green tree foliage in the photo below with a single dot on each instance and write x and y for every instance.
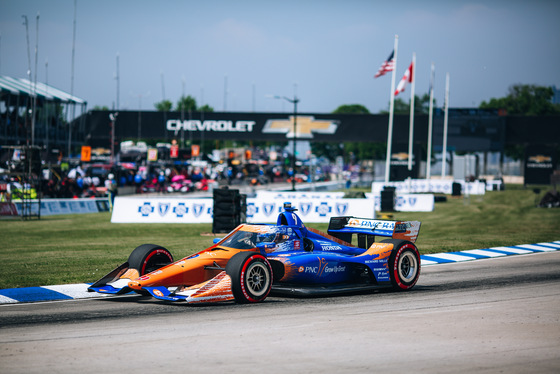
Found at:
(164, 106)
(206, 108)
(360, 151)
(527, 100)
(402, 106)
(186, 103)
(366, 151)
(351, 109)
(97, 107)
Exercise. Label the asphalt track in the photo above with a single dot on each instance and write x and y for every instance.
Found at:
(489, 316)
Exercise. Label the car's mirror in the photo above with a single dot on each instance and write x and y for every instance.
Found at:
(216, 240)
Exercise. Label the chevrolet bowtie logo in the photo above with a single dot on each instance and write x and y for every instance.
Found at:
(305, 127)
(400, 156)
(539, 159)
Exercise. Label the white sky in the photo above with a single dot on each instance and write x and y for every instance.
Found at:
(326, 51)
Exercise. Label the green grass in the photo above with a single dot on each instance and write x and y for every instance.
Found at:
(84, 247)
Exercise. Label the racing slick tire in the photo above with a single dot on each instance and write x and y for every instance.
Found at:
(251, 277)
(404, 264)
(149, 257)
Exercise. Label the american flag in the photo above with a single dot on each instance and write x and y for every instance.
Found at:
(387, 66)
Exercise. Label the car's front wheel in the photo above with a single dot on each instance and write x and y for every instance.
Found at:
(251, 277)
(149, 257)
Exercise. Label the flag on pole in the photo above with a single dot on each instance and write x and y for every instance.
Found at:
(407, 78)
(387, 66)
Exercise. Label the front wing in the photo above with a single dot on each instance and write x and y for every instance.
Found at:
(214, 290)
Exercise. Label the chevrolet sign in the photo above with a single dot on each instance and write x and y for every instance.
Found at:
(305, 127)
(209, 125)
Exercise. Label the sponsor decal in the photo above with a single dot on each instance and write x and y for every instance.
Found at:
(539, 162)
(198, 209)
(180, 210)
(341, 209)
(146, 209)
(378, 225)
(305, 208)
(163, 208)
(323, 209)
(328, 246)
(158, 293)
(540, 159)
(252, 209)
(402, 226)
(301, 269)
(335, 269)
(306, 127)
(176, 126)
(268, 209)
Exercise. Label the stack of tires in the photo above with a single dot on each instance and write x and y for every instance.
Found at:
(388, 199)
(230, 210)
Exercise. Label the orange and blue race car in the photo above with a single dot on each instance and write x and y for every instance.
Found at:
(255, 260)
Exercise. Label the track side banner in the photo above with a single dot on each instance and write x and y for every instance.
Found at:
(187, 210)
(162, 210)
(431, 186)
(309, 209)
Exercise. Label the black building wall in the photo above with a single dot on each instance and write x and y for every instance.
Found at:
(470, 130)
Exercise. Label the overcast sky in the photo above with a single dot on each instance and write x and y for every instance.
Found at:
(326, 52)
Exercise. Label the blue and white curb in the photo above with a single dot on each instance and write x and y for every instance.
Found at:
(79, 291)
(47, 293)
(478, 254)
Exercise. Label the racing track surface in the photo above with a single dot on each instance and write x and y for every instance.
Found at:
(488, 316)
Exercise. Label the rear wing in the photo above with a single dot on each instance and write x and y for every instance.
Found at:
(343, 227)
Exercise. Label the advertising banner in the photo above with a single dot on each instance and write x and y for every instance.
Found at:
(51, 207)
(410, 203)
(309, 209)
(265, 210)
(317, 207)
(431, 186)
(162, 210)
(540, 162)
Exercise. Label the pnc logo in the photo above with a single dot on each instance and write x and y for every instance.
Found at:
(306, 126)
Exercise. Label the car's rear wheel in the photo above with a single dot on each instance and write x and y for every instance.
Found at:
(251, 277)
(149, 257)
(404, 264)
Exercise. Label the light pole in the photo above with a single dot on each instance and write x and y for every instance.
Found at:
(113, 118)
(294, 101)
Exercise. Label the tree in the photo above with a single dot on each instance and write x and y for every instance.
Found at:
(206, 108)
(421, 105)
(164, 106)
(186, 103)
(97, 107)
(526, 100)
(351, 109)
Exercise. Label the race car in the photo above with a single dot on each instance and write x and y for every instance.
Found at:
(255, 260)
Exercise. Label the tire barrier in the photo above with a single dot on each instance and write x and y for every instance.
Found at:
(230, 210)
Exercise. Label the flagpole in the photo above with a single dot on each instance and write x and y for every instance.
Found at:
(391, 109)
(445, 118)
(411, 127)
(430, 120)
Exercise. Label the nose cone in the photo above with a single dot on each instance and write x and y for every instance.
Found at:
(135, 285)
